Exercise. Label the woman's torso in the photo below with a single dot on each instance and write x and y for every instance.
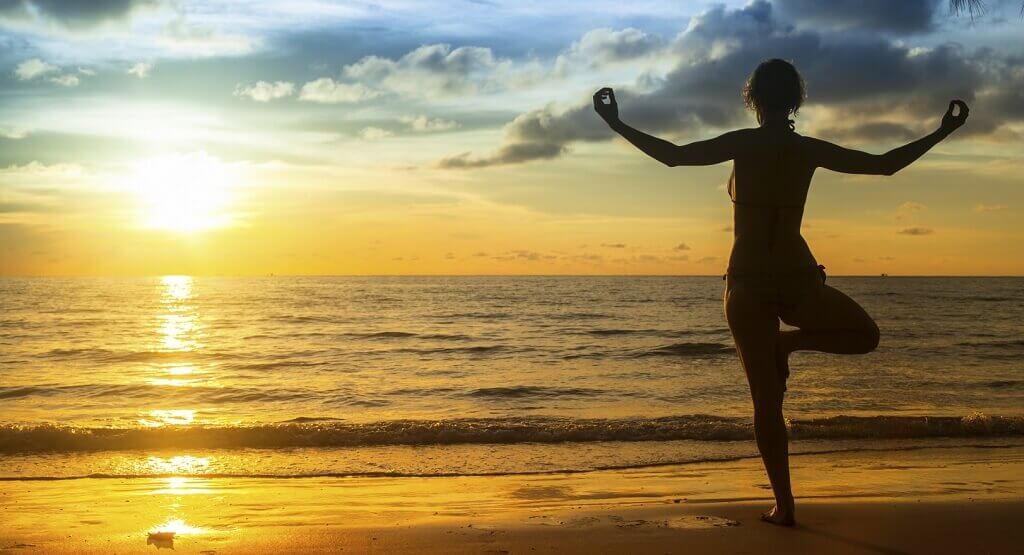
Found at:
(769, 184)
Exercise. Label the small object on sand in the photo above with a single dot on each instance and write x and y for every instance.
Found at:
(161, 539)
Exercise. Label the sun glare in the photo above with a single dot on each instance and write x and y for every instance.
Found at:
(184, 192)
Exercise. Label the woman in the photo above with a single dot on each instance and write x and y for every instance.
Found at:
(772, 274)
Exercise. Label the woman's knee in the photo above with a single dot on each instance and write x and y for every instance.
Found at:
(871, 336)
(767, 398)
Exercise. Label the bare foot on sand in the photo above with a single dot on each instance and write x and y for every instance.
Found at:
(781, 517)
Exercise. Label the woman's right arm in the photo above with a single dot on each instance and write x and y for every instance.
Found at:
(836, 158)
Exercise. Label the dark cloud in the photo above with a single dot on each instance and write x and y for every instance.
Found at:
(917, 231)
(76, 14)
(856, 75)
(901, 16)
(681, 247)
(508, 154)
(613, 245)
(878, 130)
(521, 254)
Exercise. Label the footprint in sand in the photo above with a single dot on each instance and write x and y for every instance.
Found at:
(700, 521)
(548, 520)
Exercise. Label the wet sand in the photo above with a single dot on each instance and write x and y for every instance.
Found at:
(953, 500)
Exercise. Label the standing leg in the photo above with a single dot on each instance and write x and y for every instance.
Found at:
(755, 328)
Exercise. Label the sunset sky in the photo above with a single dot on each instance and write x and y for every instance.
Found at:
(398, 137)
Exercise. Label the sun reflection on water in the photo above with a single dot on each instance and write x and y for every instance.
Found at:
(181, 370)
(180, 464)
(176, 526)
(183, 485)
(178, 332)
(168, 417)
(180, 327)
(177, 287)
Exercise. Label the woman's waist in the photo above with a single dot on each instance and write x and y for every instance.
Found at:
(734, 270)
(776, 257)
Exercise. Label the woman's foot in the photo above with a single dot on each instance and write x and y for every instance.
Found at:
(781, 517)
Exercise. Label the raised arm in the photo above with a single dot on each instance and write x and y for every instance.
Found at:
(700, 153)
(836, 158)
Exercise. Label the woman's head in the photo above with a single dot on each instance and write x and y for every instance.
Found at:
(775, 87)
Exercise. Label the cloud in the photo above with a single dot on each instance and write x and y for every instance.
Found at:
(423, 124)
(328, 91)
(681, 247)
(852, 75)
(521, 254)
(264, 91)
(140, 69)
(431, 70)
(185, 36)
(34, 68)
(65, 80)
(374, 133)
(904, 16)
(30, 69)
(603, 46)
(907, 209)
(871, 131)
(13, 132)
(508, 154)
(613, 245)
(917, 231)
(72, 14)
(982, 208)
(537, 135)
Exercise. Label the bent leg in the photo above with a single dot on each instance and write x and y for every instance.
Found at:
(755, 328)
(830, 322)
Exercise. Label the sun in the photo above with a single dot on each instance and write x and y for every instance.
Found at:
(184, 192)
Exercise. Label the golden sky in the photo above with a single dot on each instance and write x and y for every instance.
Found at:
(151, 137)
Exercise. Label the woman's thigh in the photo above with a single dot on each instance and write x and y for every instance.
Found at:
(755, 328)
(829, 309)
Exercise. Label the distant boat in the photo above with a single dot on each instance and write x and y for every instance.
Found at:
(884, 274)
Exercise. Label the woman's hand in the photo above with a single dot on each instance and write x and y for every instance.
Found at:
(950, 122)
(609, 111)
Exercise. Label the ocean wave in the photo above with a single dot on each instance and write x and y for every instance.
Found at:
(291, 472)
(1000, 384)
(688, 350)
(308, 432)
(533, 391)
(107, 355)
(201, 394)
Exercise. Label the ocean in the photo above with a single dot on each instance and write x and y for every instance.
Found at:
(425, 376)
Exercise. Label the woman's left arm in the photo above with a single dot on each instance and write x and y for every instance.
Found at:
(700, 153)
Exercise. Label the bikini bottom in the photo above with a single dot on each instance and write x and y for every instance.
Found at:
(784, 289)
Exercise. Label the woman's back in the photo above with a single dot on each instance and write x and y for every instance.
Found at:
(771, 176)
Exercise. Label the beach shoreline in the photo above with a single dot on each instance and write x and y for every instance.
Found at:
(948, 500)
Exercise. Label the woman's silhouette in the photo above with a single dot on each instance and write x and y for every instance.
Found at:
(772, 274)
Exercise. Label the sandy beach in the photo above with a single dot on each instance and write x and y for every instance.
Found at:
(938, 500)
